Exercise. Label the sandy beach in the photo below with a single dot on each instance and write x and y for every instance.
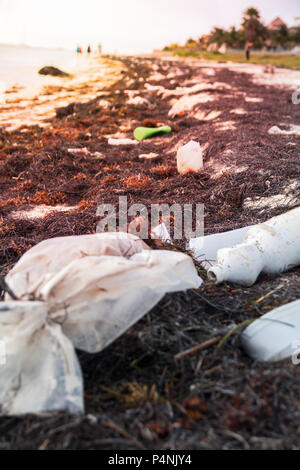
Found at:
(34, 101)
(137, 394)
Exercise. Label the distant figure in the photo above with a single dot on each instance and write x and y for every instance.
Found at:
(99, 49)
(79, 50)
(247, 49)
(89, 50)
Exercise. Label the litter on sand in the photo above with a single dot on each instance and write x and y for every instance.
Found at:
(205, 248)
(76, 292)
(276, 335)
(189, 158)
(240, 255)
(270, 247)
(141, 133)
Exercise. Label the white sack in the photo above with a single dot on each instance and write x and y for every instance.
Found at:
(40, 370)
(87, 289)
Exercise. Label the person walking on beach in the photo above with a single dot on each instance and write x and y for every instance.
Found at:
(89, 50)
(247, 50)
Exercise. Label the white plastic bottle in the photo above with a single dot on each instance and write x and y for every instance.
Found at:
(271, 247)
(189, 158)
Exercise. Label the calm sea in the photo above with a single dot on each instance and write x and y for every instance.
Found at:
(20, 65)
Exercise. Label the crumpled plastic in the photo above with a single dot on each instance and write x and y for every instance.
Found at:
(83, 292)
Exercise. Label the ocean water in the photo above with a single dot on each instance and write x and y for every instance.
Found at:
(20, 65)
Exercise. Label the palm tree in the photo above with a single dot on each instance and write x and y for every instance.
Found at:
(255, 31)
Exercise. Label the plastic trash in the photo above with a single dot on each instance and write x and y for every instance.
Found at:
(79, 151)
(205, 248)
(141, 133)
(189, 158)
(112, 141)
(161, 232)
(83, 292)
(276, 335)
(271, 247)
(40, 370)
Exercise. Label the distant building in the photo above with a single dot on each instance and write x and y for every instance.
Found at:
(276, 24)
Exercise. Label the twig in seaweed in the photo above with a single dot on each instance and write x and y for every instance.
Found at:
(269, 293)
(4, 286)
(118, 429)
(198, 347)
(216, 306)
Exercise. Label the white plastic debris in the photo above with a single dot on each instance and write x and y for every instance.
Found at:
(205, 248)
(112, 141)
(83, 292)
(189, 158)
(276, 335)
(271, 247)
(41, 371)
(79, 151)
(161, 232)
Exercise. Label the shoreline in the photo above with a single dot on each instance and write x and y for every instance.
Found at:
(36, 104)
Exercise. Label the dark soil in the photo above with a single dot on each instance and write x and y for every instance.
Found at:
(137, 394)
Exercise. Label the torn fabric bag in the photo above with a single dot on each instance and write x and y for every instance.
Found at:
(80, 292)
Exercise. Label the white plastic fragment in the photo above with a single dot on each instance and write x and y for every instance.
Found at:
(112, 141)
(83, 292)
(271, 247)
(161, 232)
(189, 158)
(276, 335)
(79, 151)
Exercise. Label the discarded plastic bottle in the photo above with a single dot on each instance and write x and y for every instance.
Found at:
(189, 158)
(271, 247)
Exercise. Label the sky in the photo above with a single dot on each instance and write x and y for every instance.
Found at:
(126, 26)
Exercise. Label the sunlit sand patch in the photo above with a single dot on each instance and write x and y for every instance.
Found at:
(217, 169)
(39, 212)
(292, 130)
(207, 115)
(238, 111)
(187, 90)
(226, 126)
(288, 198)
(157, 77)
(250, 99)
(186, 103)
